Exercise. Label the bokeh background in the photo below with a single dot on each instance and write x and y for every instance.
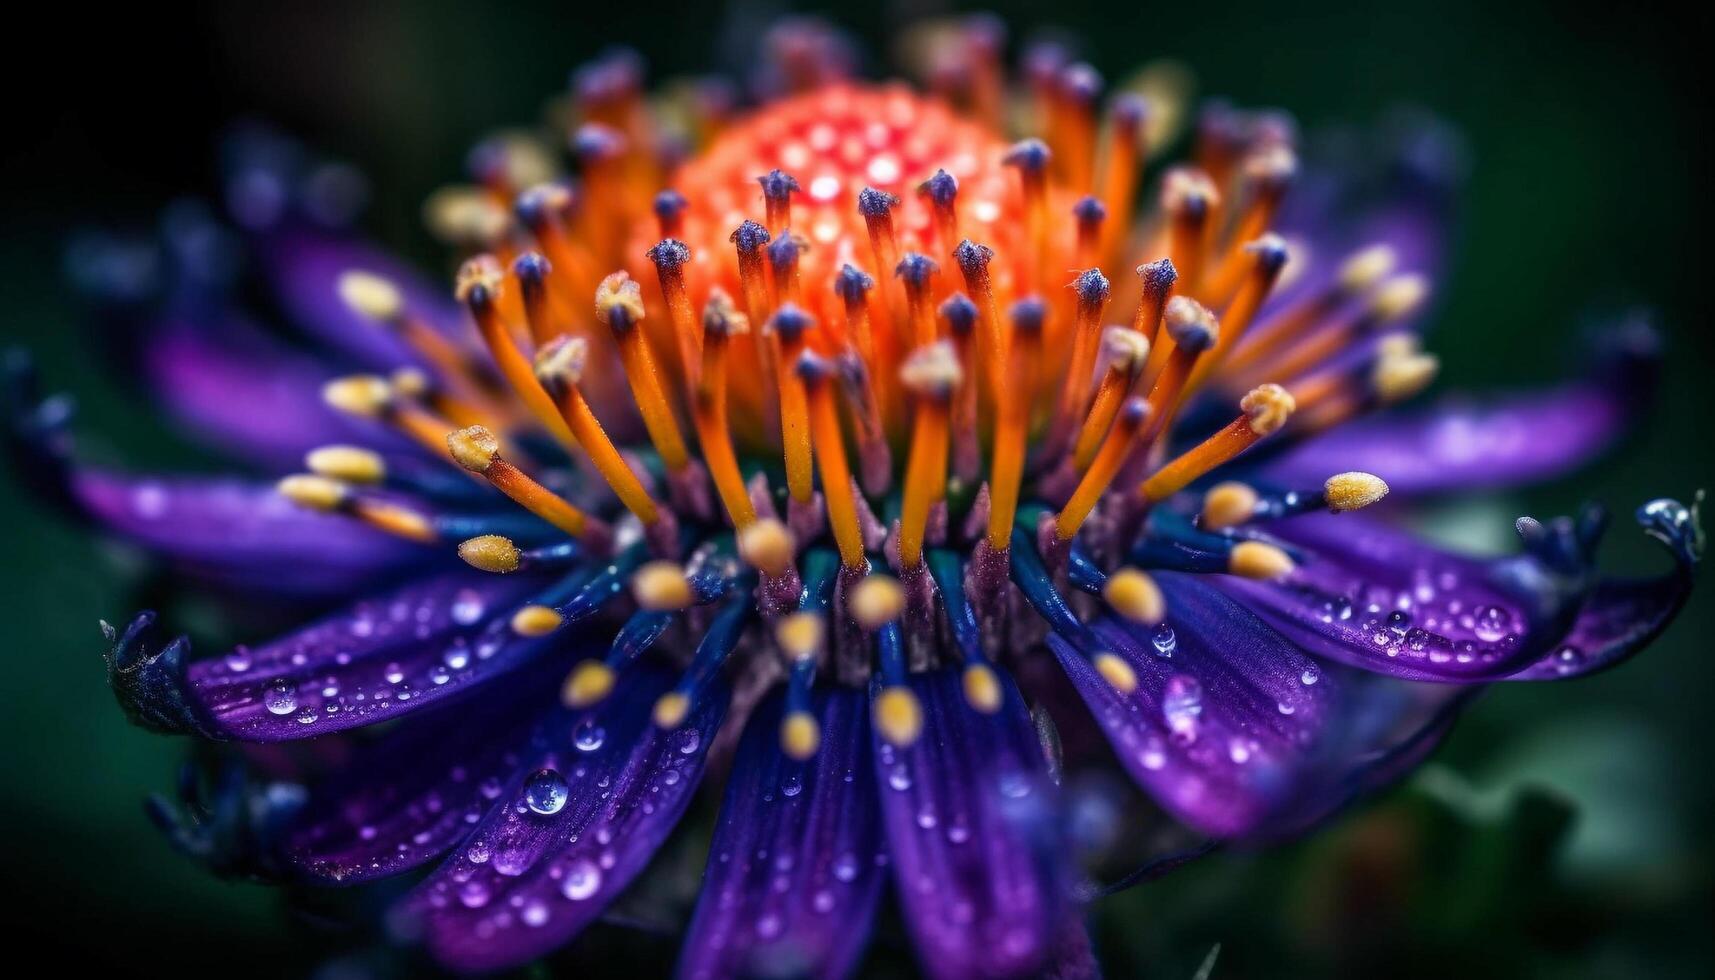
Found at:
(1563, 831)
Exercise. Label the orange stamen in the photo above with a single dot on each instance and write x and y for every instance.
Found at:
(619, 304)
(709, 409)
(789, 326)
(1103, 468)
(837, 489)
(1125, 353)
(476, 450)
(479, 286)
(931, 374)
(1012, 424)
(670, 256)
(559, 368)
(1262, 412)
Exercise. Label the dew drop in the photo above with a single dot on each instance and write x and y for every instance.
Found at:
(589, 736)
(1164, 640)
(1181, 704)
(545, 791)
(582, 880)
(281, 697)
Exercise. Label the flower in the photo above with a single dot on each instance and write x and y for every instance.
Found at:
(806, 462)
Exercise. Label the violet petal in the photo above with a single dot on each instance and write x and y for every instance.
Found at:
(1375, 597)
(242, 534)
(417, 792)
(973, 835)
(305, 269)
(528, 879)
(793, 876)
(250, 395)
(382, 658)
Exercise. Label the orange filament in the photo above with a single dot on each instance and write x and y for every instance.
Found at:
(559, 368)
(1159, 278)
(476, 450)
(789, 326)
(1092, 291)
(1117, 187)
(1125, 353)
(974, 262)
(1263, 412)
(932, 374)
(1189, 199)
(709, 412)
(1360, 271)
(669, 257)
(479, 287)
(918, 273)
(620, 305)
(1266, 257)
(1102, 470)
(1012, 423)
(531, 270)
(838, 492)
(1191, 330)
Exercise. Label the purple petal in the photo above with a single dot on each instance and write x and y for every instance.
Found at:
(1375, 597)
(242, 535)
(1238, 733)
(793, 875)
(1621, 617)
(526, 881)
(972, 831)
(412, 796)
(1227, 714)
(249, 395)
(382, 658)
(1462, 445)
(305, 269)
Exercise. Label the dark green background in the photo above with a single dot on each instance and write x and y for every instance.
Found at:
(1588, 139)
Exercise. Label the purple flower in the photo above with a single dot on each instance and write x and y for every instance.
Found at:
(844, 537)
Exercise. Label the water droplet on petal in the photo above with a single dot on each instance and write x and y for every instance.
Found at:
(281, 697)
(545, 791)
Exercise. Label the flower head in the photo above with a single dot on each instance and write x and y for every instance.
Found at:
(806, 445)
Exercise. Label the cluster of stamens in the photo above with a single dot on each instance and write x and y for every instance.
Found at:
(867, 299)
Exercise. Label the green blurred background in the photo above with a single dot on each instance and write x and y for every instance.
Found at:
(1564, 829)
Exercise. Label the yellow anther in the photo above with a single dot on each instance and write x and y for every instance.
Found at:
(898, 716)
(1134, 595)
(561, 362)
(1228, 504)
(661, 586)
(1116, 672)
(1365, 268)
(876, 601)
(982, 689)
(1259, 560)
(536, 620)
(671, 709)
(800, 635)
(1268, 406)
(1398, 297)
(465, 217)
(1397, 378)
(352, 464)
(588, 683)
(1353, 491)
(767, 545)
(800, 736)
(490, 553)
(473, 448)
(366, 395)
(370, 295)
(314, 492)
